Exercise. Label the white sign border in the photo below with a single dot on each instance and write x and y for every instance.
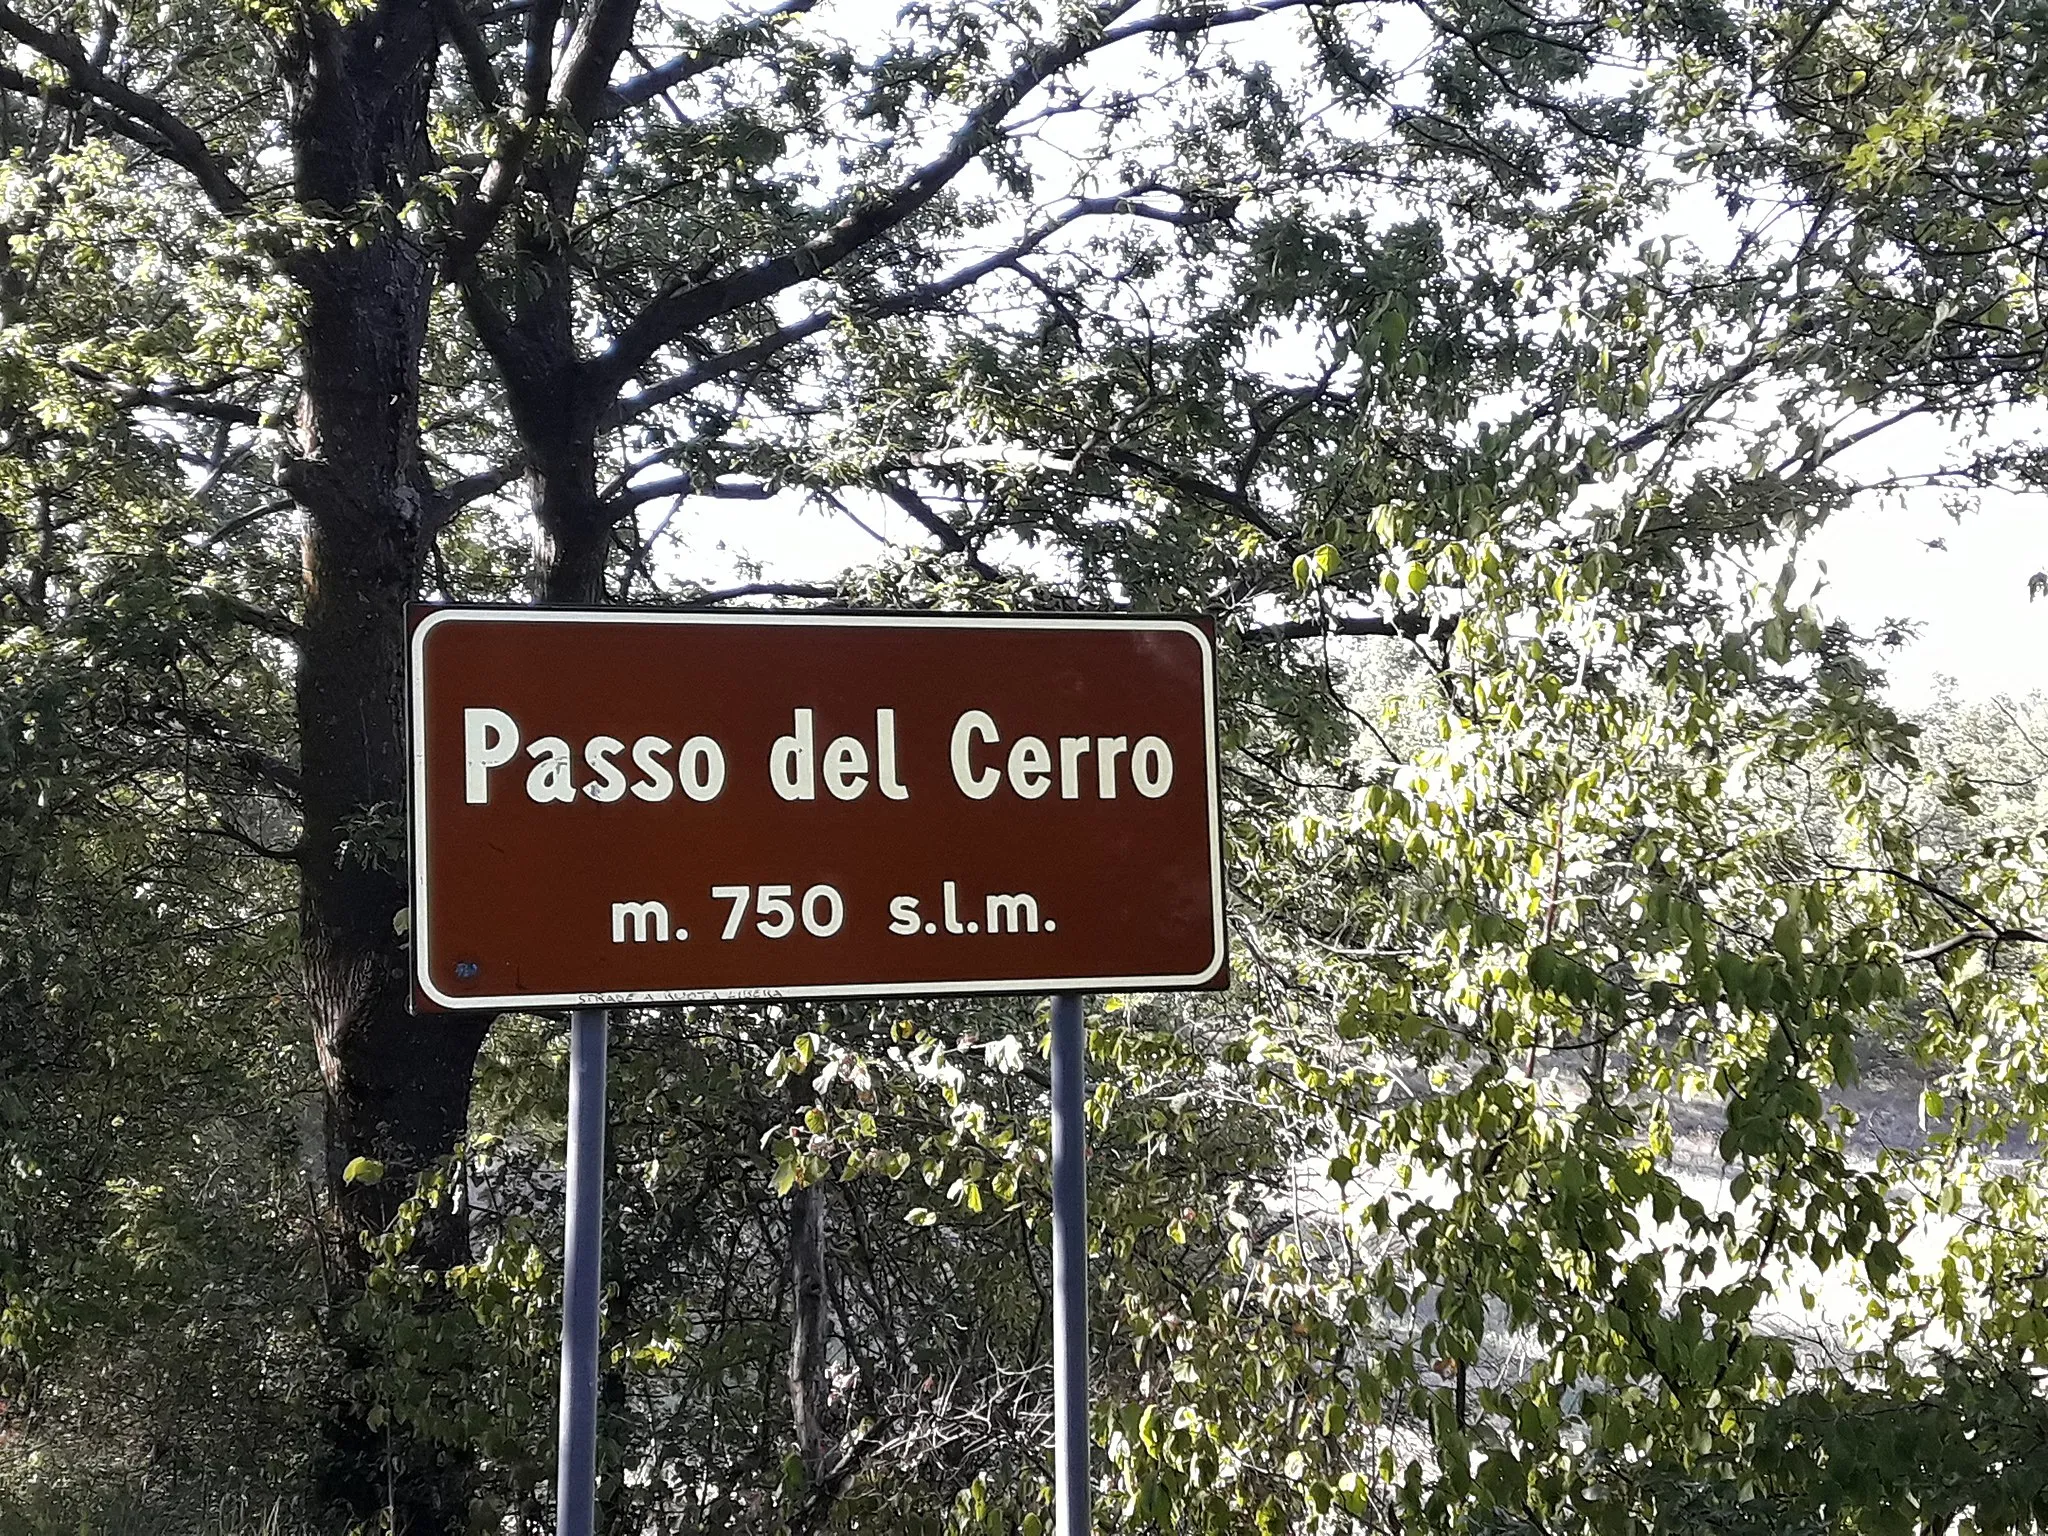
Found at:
(417, 927)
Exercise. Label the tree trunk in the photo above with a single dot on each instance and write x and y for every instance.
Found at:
(809, 1335)
(573, 528)
(397, 1088)
(528, 324)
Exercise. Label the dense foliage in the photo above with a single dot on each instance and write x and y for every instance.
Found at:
(1544, 1169)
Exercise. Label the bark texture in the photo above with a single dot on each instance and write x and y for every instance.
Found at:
(811, 1301)
(397, 1087)
(808, 1386)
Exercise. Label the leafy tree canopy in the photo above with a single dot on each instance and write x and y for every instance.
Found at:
(1544, 1171)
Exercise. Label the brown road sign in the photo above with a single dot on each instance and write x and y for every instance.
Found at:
(624, 806)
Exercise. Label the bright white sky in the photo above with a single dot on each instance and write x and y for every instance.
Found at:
(1978, 626)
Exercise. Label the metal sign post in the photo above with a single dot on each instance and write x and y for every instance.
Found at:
(1069, 1267)
(623, 807)
(576, 1441)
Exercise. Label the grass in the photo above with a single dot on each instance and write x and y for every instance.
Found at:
(132, 1512)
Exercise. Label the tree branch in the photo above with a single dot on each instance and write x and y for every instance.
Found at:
(574, 93)
(825, 1491)
(537, 72)
(242, 611)
(270, 769)
(478, 213)
(689, 485)
(184, 402)
(724, 49)
(1186, 24)
(236, 835)
(1975, 936)
(1970, 910)
(763, 589)
(1402, 626)
(593, 52)
(637, 561)
(1986, 930)
(1189, 483)
(643, 88)
(235, 525)
(143, 119)
(909, 300)
(446, 502)
(951, 539)
(715, 368)
(462, 30)
(675, 311)
(460, 493)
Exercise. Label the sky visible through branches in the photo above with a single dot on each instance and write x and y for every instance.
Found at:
(1934, 572)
